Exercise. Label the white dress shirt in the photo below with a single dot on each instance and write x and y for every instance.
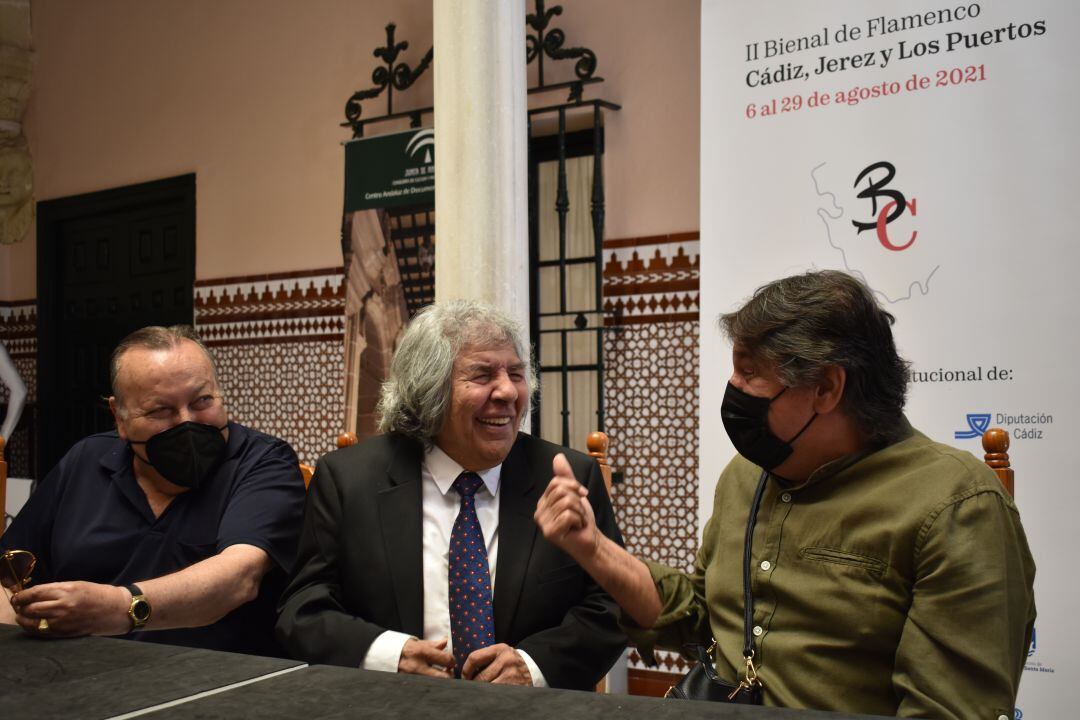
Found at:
(441, 505)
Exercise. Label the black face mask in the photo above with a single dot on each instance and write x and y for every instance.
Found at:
(746, 419)
(186, 454)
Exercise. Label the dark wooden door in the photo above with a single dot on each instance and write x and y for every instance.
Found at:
(109, 263)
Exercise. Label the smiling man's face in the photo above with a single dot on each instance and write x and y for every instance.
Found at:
(488, 397)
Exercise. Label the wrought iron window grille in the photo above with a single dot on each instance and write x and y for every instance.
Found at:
(544, 41)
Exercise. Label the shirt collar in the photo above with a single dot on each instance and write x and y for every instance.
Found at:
(834, 467)
(445, 470)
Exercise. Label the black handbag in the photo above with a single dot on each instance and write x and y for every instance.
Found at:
(702, 682)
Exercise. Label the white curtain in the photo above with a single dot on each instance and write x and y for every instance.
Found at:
(580, 296)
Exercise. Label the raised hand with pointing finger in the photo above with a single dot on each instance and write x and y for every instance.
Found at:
(564, 515)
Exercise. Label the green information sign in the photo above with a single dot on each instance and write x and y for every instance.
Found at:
(390, 170)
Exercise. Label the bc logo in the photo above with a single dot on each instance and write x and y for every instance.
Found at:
(890, 211)
(978, 423)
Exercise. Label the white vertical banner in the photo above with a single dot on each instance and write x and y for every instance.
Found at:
(930, 150)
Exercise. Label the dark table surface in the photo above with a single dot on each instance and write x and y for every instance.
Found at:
(103, 677)
(332, 692)
(42, 679)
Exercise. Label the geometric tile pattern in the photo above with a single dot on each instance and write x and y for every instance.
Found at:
(653, 279)
(652, 307)
(18, 328)
(651, 397)
(665, 662)
(286, 307)
(279, 342)
(650, 391)
(18, 333)
(651, 304)
(289, 390)
(272, 330)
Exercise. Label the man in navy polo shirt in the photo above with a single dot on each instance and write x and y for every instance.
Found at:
(177, 527)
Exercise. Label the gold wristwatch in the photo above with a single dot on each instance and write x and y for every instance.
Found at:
(139, 612)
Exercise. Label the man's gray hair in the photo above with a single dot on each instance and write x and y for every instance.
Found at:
(155, 337)
(415, 398)
(801, 324)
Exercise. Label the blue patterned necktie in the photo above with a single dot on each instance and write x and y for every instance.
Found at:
(471, 623)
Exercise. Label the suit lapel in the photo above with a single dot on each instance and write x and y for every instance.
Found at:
(400, 520)
(517, 533)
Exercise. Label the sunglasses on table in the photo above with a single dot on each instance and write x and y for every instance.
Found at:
(15, 569)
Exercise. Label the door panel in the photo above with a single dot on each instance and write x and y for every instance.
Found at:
(108, 263)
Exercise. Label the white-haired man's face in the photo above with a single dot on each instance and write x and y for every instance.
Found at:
(488, 398)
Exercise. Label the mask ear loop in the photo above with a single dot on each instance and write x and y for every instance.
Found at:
(812, 419)
(132, 444)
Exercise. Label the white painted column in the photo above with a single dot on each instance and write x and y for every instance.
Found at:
(481, 186)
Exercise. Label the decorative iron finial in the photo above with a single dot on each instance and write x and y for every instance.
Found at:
(388, 78)
(551, 44)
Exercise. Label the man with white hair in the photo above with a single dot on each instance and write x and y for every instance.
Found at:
(419, 553)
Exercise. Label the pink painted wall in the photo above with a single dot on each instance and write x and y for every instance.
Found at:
(247, 94)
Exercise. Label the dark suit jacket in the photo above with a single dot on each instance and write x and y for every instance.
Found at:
(359, 570)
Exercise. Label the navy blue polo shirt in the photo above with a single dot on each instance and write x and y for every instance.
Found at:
(89, 520)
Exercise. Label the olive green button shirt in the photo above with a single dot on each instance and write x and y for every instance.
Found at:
(897, 582)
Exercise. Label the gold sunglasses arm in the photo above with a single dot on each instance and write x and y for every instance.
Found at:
(21, 580)
(6, 557)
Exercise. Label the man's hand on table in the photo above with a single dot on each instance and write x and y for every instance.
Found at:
(498, 664)
(73, 608)
(426, 657)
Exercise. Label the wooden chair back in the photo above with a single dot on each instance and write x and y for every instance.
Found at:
(597, 443)
(307, 471)
(343, 440)
(995, 442)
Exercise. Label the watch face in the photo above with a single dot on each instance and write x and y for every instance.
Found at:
(140, 610)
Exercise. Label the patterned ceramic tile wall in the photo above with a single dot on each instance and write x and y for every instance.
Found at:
(279, 341)
(18, 333)
(651, 293)
(650, 390)
(651, 279)
(651, 399)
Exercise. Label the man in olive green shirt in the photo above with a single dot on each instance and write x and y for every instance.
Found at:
(890, 574)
